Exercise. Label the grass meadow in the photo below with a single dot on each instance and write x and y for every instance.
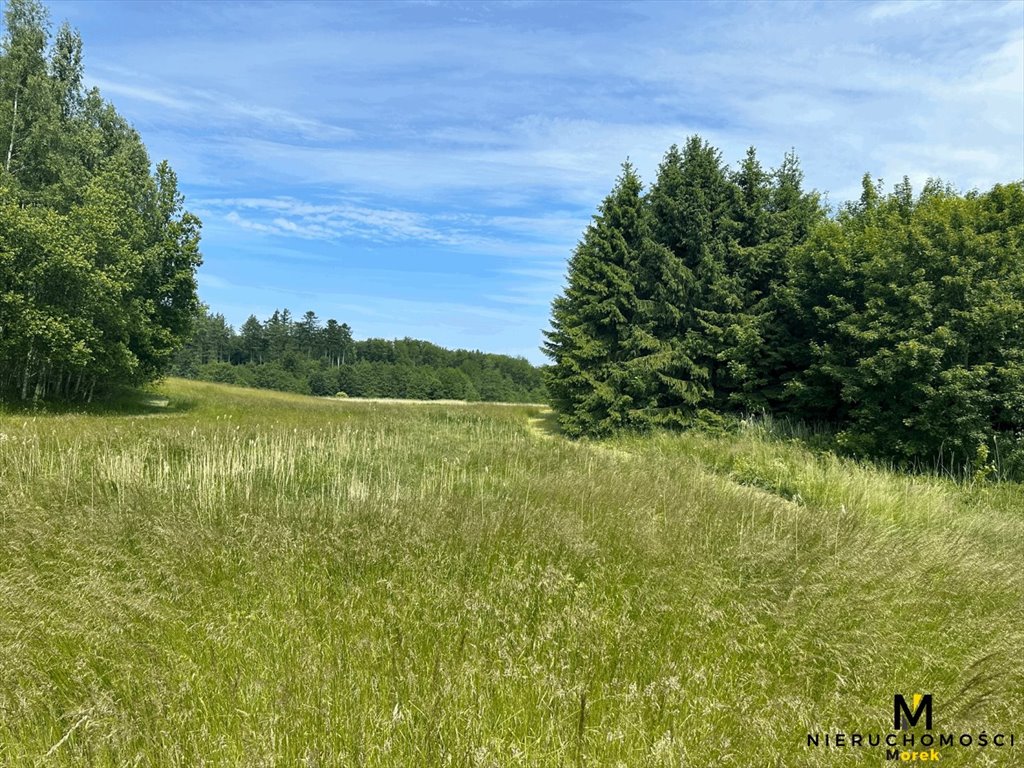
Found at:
(213, 576)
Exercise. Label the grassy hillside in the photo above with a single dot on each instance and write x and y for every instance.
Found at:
(228, 577)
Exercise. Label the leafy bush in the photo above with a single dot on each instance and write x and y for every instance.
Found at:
(915, 307)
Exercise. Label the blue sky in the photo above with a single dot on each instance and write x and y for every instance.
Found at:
(425, 169)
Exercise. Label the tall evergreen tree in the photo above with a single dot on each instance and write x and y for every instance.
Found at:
(772, 214)
(691, 205)
(663, 379)
(307, 332)
(253, 340)
(592, 324)
(337, 339)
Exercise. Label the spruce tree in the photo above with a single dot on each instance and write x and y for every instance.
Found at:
(749, 263)
(663, 380)
(690, 203)
(771, 215)
(592, 323)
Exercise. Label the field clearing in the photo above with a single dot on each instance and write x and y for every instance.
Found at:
(404, 401)
(229, 577)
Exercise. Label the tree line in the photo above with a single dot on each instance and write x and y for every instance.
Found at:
(306, 356)
(899, 320)
(97, 254)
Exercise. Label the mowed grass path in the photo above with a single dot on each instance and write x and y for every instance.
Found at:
(242, 578)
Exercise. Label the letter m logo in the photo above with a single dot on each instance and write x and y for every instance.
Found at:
(903, 718)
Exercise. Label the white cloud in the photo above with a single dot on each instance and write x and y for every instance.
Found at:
(140, 93)
(542, 237)
(489, 140)
(888, 10)
(213, 108)
(346, 102)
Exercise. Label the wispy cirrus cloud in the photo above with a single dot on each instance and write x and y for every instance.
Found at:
(894, 8)
(215, 108)
(540, 237)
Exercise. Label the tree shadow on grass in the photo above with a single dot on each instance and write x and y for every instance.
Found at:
(118, 402)
(545, 423)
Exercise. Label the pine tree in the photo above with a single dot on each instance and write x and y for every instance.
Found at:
(278, 329)
(307, 333)
(253, 340)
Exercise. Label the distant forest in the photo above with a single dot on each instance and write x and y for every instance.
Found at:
(302, 355)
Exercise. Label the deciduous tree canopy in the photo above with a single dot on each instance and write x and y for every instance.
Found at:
(97, 254)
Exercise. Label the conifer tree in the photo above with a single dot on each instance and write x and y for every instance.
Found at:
(253, 339)
(772, 214)
(663, 379)
(916, 349)
(691, 205)
(592, 323)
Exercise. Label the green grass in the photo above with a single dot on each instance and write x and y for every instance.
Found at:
(246, 578)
